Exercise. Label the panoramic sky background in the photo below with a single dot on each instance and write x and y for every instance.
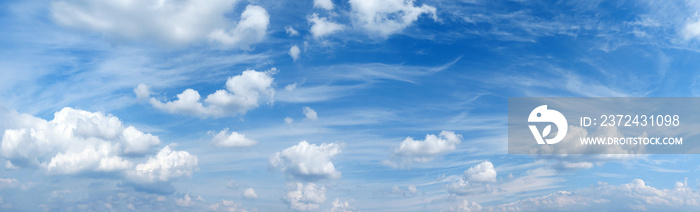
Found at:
(327, 105)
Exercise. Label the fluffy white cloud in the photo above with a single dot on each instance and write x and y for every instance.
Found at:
(243, 92)
(412, 189)
(341, 206)
(232, 140)
(228, 206)
(387, 17)
(476, 179)
(166, 165)
(187, 201)
(291, 87)
(294, 52)
(251, 28)
(432, 145)
(75, 141)
(321, 27)
(483, 172)
(167, 22)
(426, 150)
(305, 197)
(307, 161)
(250, 194)
(291, 31)
(310, 113)
(632, 196)
(288, 120)
(691, 29)
(323, 4)
(479, 182)
(142, 91)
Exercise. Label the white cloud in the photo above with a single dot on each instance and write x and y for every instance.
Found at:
(75, 141)
(166, 22)
(387, 17)
(323, 4)
(142, 91)
(166, 165)
(288, 120)
(691, 30)
(632, 196)
(250, 194)
(341, 206)
(412, 189)
(480, 182)
(466, 206)
(243, 92)
(483, 172)
(291, 31)
(305, 197)
(227, 205)
(310, 113)
(187, 102)
(398, 191)
(307, 161)
(187, 201)
(426, 150)
(9, 165)
(231, 140)
(251, 28)
(291, 87)
(321, 27)
(294, 52)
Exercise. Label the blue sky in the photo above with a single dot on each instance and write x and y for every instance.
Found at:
(328, 105)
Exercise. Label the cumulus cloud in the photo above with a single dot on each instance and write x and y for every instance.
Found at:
(304, 197)
(75, 141)
(291, 31)
(341, 206)
(251, 28)
(632, 196)
(231, 140)
(475, 180)
(78, 141)
(288, 120)
(166, 165)
(411, 150)
(480, 181)
(387, 17)
(483, 172)
(321, 27)
(243, 93)
(306, 161)
(187, 201)
(226, 205)
(323, 4)
(250, 194)
(294, 52)
(166, 22)
(691, 28)
(142, 91)
(291, 87)
(310, 113)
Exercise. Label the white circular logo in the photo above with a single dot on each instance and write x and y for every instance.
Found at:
(543, 115)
